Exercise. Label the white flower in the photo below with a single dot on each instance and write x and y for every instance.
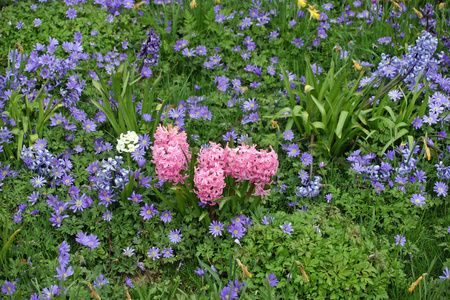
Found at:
(127, 142)
(130, 137)
(131, 147)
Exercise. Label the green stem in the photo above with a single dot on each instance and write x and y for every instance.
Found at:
(129, 159)
(250, 191)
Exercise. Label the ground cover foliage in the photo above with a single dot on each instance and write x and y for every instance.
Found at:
(209, 149)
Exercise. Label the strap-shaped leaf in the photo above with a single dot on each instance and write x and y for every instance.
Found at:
(342, 120)
(7, 244)
(109, 114)
(164, 199)
(391, 112)
(321, 109)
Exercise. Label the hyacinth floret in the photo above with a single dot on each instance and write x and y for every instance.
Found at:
(382, 172)
(45, 163)
(408, 163)
(150, 47)
(247, 163)
(311, 189)
(443, 172)
(170, 151)
(110, 175)
(128, 142)
(209, 177)
(417, 62)
(242, 163)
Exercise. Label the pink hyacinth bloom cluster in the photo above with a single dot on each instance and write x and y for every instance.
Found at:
(247, 163)
(169, 154)
(242, 163)
(209, 177)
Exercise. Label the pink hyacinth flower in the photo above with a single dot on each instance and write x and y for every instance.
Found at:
(170, 151)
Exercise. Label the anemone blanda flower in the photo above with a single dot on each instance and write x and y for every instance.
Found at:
(440, 188)
(446, 273)
(153, 253)
(287, 228)
(273, 281)
(418, 199)
(400, 240)
(166, 216)
(38, 181)
(216, 228)
(167, 252)
(175, 236)
(148, 212)
(128, 252)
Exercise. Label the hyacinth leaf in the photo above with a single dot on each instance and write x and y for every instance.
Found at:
(254, 203)
(49, 111)
(342, 118)
(411, 141)
(394, 138)
(124, 98)
(327, 82)
(7, 242)
(223, 201)
(391, 112)
(42, 112)
(181, 203)
(423, 107)
(321, 108)
(19, 142)
(157, 114)
(211, 271)
(164, 199)
(125, 80)
(106, 107)
(191, 169)
(189, 198)
(203, 215)
(237, 191)
(149, 96)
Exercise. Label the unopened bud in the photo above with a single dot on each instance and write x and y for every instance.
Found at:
(308, 88)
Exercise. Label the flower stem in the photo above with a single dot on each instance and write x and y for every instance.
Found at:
(250, 191)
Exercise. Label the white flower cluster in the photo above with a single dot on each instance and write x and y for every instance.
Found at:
(127, 142)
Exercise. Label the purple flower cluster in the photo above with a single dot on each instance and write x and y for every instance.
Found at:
(400, 176)
(46, 66)
(48, 166)
(150, 49)
(419, 61)
(108, 61)
(18, 214)
(192, 108)
(443, 172)
(108, 176)
(237, 228)
(378, 173)
(231, 291)
(63, 259)
(5, 134)
(100, 281)
(309, 189)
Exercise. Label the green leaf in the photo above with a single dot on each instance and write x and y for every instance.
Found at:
(342, 119)
(7, 244)
(203, 215)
